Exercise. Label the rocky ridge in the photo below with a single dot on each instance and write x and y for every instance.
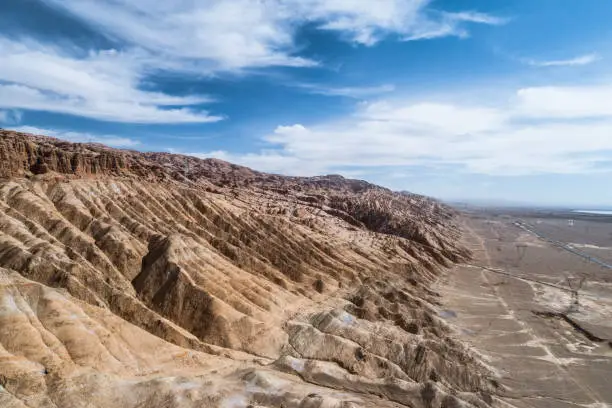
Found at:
(152, 279)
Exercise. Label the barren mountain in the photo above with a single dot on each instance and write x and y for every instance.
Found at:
(133, 279)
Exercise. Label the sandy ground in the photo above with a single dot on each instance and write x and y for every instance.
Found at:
(513, 313)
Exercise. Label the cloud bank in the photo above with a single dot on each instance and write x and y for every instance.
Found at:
(196, 38)
(250, 33)
(540, 130)
(102, 85)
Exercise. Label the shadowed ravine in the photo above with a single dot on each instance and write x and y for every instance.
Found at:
(156, 280)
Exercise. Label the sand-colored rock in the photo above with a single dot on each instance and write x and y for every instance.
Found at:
(155, 280)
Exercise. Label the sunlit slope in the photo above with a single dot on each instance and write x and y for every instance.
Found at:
(184, 281)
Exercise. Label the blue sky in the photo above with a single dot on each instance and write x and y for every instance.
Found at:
(459, 99)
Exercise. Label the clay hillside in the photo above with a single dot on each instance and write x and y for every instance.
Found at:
(133, 279)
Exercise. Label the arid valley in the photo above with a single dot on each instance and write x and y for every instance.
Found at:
(541, 314)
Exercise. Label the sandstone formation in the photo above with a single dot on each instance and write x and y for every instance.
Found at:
(133, 279)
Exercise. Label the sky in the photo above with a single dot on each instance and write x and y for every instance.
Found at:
(457, 99)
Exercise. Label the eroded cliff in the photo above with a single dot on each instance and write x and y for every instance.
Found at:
(151, 279)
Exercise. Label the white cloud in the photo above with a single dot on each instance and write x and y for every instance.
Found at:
(198, 37)
(476, 17)
(565, 102)
(449, 24)
(362, 23)
(103, 85)
(218, 34)
(10, 116)
(529, 134)
(429, 32)
(366, 24)
(250, 33)
(577, 61)
(425, 115)
(348, 92)
(79, 137)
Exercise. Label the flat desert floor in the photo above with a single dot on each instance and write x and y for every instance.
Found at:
(540, 314)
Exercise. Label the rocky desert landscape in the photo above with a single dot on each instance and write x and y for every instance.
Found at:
(156, 280)
(132, 279)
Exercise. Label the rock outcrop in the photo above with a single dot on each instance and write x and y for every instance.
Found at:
(150, 279)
